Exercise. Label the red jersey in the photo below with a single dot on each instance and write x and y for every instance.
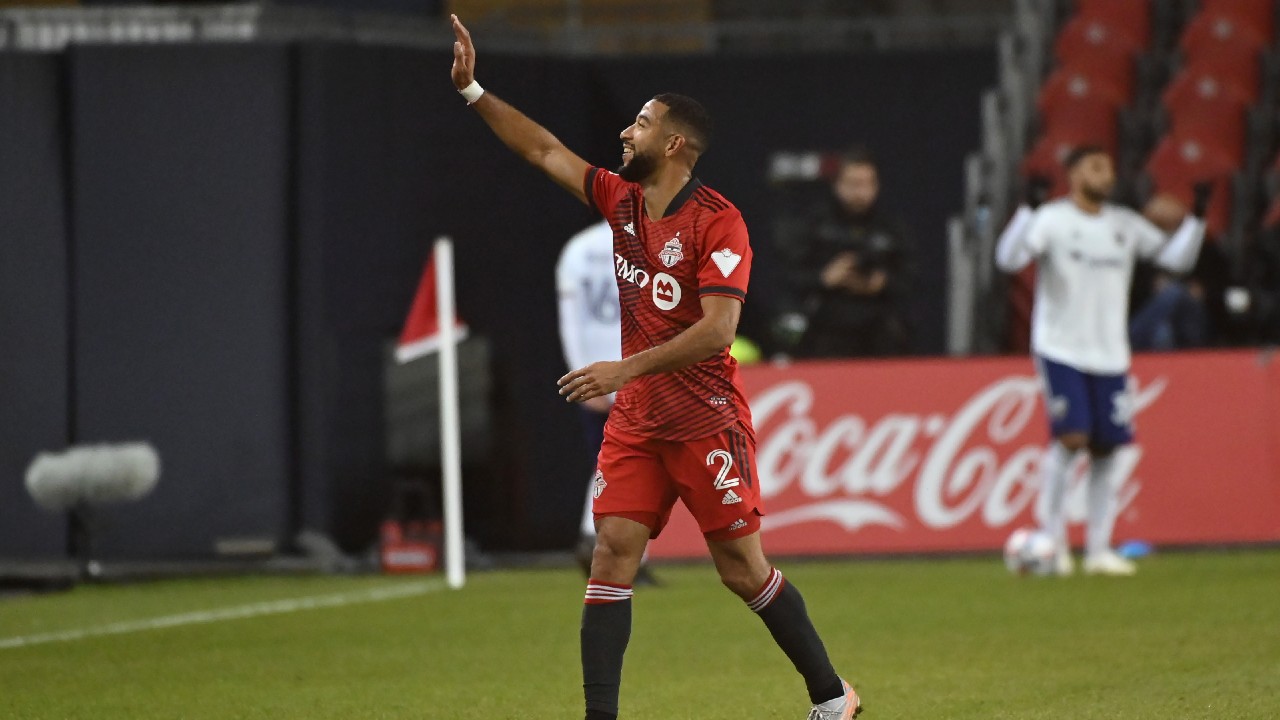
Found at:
(699, 247)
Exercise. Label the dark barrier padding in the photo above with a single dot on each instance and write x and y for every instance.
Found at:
(389, 158)
(181, 284)
(33, 297)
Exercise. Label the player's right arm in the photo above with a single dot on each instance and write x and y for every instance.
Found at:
(525, 137)
(1012, 250)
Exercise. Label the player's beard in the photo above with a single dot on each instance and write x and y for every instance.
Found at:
(1097, 194)
(639, 169)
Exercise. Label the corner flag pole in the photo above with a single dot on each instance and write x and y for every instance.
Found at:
(450, 435)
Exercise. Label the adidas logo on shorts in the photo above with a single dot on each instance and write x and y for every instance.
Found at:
(738, 524)
(730, 498)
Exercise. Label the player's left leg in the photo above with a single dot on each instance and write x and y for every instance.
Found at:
(1112, 428)
(716, 481)
(748, 574)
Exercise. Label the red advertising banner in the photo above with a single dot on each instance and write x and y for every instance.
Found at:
(944, 455)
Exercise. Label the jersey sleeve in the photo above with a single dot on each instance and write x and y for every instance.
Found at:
(724, 267)
(604, 190)
(1012, 253)
(1037, 235)
(1148, 239)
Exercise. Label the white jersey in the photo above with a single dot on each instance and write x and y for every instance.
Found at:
(1084, 268)
(590, 318)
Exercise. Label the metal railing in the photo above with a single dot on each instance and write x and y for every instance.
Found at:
(990, 180)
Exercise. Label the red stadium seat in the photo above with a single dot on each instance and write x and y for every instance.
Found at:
(1082, 120)
(1105, 66)
(1216, 121)
(1045, 161)
(1229, 75)
(1179, 163)
(1272, 216)
(1082, 36)
(1260, 14)
(1210, 33)
(1071, 123)
(1131, 16)
(1068, 85)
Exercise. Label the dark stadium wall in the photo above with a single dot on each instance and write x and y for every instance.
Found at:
(181, 216)
(390, 158)
(33, 296)
(251, 223)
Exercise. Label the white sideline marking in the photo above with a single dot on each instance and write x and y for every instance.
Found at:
(238, 612)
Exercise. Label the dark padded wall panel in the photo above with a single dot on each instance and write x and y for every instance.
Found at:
(33, 297)
(389, 158)
(181, 207)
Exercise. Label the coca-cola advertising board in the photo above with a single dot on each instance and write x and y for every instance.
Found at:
(944, 455)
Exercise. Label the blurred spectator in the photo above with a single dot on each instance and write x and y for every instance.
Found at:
(1173, 317)
(1174, 314)
(1263, 288)
(846, 270)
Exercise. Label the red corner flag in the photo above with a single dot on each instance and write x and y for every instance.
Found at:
(421, 334)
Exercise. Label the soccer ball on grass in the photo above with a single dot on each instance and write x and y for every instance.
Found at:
(1029, 551)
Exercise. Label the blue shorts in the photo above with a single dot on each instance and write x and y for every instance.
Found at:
(1100, 406)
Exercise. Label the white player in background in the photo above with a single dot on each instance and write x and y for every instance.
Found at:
(1084, 249)
(591, 331)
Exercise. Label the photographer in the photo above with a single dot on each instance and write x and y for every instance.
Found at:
(847, 271)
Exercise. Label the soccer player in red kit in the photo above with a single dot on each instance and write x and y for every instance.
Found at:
(681, 428)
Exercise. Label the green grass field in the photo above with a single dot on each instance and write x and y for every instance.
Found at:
(1193, 635)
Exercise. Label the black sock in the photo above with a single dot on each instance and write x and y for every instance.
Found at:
(606, 629)
(781, 607)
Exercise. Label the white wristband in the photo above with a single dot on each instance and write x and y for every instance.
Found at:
(472, 92)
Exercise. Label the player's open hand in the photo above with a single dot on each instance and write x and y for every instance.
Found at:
(593, 381)
(464, 55)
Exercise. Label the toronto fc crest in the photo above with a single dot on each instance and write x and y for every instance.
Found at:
(672, 252)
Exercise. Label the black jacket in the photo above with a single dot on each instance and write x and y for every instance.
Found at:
(840, 323)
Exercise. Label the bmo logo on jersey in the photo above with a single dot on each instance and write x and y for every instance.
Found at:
(666, 292)
(629, 272)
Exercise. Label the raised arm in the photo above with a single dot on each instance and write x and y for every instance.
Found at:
(1012, 251)
(525, 137)
(1179, 254)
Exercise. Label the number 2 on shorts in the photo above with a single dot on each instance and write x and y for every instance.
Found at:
(726, 463)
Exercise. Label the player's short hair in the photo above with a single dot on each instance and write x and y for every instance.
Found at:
(858, 155)
(1080, 152)
(692, 119)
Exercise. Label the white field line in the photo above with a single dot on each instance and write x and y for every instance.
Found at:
(237, 612)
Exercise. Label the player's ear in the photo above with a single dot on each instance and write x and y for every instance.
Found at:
(675, 143)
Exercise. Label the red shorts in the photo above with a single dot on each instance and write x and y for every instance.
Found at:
(639, 478)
